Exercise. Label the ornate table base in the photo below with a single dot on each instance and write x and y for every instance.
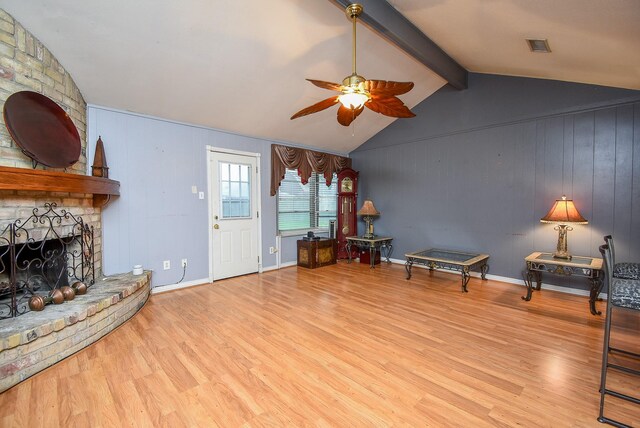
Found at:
(588, 267)
(373, 244)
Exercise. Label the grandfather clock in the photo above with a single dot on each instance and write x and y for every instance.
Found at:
(347, 224)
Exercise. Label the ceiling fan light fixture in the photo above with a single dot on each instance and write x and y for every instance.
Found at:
(353, 100)
(354, 95)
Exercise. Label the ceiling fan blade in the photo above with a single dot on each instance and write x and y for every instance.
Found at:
(387, 88)
(389, 106)
(316, 107)
(347, 115)
(326, 85)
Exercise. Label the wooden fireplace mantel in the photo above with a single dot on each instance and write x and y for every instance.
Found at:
(53, 181)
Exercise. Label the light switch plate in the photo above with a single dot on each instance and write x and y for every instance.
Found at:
(194, 189)
(201, 195)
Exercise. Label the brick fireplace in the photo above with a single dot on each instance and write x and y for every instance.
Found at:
(36, 340)
(27, 65)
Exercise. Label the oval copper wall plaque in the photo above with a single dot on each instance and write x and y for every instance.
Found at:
(42, 129)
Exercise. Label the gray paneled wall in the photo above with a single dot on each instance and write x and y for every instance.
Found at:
(483, 186)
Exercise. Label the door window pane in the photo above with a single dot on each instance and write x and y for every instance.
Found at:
(235, 172)
(224, 171)
(235, 190)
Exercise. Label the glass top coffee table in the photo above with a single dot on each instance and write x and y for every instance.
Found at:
(447, 259)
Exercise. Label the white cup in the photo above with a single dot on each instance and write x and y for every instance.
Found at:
(137, 270)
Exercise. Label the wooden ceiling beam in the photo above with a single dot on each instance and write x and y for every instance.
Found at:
(383, 18)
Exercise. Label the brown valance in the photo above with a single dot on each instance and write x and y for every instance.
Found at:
(306, 162)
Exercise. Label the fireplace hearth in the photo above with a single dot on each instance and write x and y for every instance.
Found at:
(49, 249)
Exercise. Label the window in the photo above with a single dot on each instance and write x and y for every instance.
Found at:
(235, 187)
(303, 207)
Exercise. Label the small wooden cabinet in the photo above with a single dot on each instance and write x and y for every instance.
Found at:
(317, 253)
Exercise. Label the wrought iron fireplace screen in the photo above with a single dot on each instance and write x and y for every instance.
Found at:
(41, 253)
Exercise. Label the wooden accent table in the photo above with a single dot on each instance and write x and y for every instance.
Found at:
(451, 260)
(315, 253)
(373, 245)
(588, 267)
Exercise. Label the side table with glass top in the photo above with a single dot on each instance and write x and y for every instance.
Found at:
(587, 267)
(377, 243)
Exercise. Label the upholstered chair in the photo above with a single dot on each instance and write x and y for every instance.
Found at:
(624, 270)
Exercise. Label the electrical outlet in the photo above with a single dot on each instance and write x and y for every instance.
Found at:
(184, 263)
(166, 265)
(273, 250)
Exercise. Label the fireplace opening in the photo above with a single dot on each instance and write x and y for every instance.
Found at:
(45, 252)
(42, 264)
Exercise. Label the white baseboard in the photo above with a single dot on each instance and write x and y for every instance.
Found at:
(517, 281)
(288, 264)
(282, 265)
(187, 284)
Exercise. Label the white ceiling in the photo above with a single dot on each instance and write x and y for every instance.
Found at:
(240, 66)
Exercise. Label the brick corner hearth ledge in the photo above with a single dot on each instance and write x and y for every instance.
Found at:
(37, 340)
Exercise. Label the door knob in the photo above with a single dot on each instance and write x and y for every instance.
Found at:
(215, 226)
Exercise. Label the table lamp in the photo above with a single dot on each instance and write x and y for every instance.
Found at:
(561, 213)
(368, 212)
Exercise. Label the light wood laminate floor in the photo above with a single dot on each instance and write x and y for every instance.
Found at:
(338, 346)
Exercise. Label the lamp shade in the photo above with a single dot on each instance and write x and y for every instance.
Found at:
(564, 211)
(368, 209)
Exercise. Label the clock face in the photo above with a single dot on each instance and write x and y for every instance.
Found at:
(346, 186)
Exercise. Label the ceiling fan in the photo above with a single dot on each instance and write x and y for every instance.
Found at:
(357, 92)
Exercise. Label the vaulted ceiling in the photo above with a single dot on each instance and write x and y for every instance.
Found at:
(240, 66)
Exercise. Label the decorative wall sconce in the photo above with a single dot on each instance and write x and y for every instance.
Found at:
(368, 212)
(561, 213)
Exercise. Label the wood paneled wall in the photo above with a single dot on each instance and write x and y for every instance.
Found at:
(484, 186)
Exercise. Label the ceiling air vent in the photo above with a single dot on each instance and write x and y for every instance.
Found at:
(539, 45)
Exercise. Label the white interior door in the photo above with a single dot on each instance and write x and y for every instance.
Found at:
(234, 211)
